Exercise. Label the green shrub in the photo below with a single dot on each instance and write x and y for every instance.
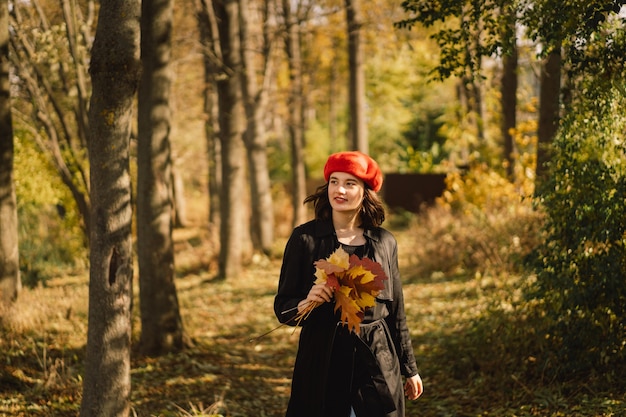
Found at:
(51, 239)
(581, 263)
(50, 244)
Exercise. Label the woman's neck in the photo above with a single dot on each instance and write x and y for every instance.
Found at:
(346, 221)
(347, 229)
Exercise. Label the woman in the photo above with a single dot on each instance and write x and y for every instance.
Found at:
(337, 372)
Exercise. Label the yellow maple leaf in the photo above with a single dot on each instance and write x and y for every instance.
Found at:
(336, 263)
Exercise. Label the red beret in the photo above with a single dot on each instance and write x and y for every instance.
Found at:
(357, 164)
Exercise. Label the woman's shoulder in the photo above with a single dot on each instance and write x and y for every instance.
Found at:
(382, 234)
(308, 235)
(316, 228)
(305, 228)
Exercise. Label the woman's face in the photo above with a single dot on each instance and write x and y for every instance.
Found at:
(345, 192)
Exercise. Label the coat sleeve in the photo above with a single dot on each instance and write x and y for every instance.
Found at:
(397, 316)
(294, 282)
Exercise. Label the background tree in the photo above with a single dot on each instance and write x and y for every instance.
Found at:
(549, 114)
(467, 32)
(256, 35)
(508, 85)
(256, 51)
(161, 324)
(114, 73)
(292, 19)
(560, 29)
(10, 282)
(358, 124)
(50, 61)
(580, 261)
(233, 195)
(211, 62)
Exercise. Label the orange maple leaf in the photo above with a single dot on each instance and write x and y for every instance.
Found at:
(365, 277)
(363, 281)
(351, 313)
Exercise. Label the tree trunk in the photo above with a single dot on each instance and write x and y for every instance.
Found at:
(114, 74)
(509, 99)
(333, 132)
(10, 283)
(233, 222)
(549, 100)
(180, 201)
(255, 100)
(212, 58)
(358, 122)
(477, 93)
(463, 96)
(472, 76)
(214, 155)
(296, 115)
(161, 324)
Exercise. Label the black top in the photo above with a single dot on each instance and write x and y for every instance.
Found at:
(357, 250)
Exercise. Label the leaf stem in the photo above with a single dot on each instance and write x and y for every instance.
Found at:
(303, 315)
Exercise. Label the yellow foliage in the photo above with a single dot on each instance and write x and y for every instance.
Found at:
(484, 189)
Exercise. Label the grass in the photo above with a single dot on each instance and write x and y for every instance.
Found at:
(468, 369)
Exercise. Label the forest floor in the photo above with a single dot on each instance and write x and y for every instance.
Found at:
(232, 371)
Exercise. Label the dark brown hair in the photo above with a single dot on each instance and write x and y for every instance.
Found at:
(372, 211)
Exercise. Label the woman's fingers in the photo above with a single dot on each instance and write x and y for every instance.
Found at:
(320, 293)
(413, 388)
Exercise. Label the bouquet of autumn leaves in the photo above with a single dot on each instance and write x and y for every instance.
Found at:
(356, 283)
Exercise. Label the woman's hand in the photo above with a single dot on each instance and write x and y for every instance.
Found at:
(319, 293)
(413, 387)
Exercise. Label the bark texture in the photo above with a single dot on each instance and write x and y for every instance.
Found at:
(255, 100)
(234, 236)
(114, 73)
(296, 115)
(161, 323)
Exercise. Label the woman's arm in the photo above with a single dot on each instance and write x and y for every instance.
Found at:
(397, 317)
(290, 284)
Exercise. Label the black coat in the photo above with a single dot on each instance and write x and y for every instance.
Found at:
(335, 368)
